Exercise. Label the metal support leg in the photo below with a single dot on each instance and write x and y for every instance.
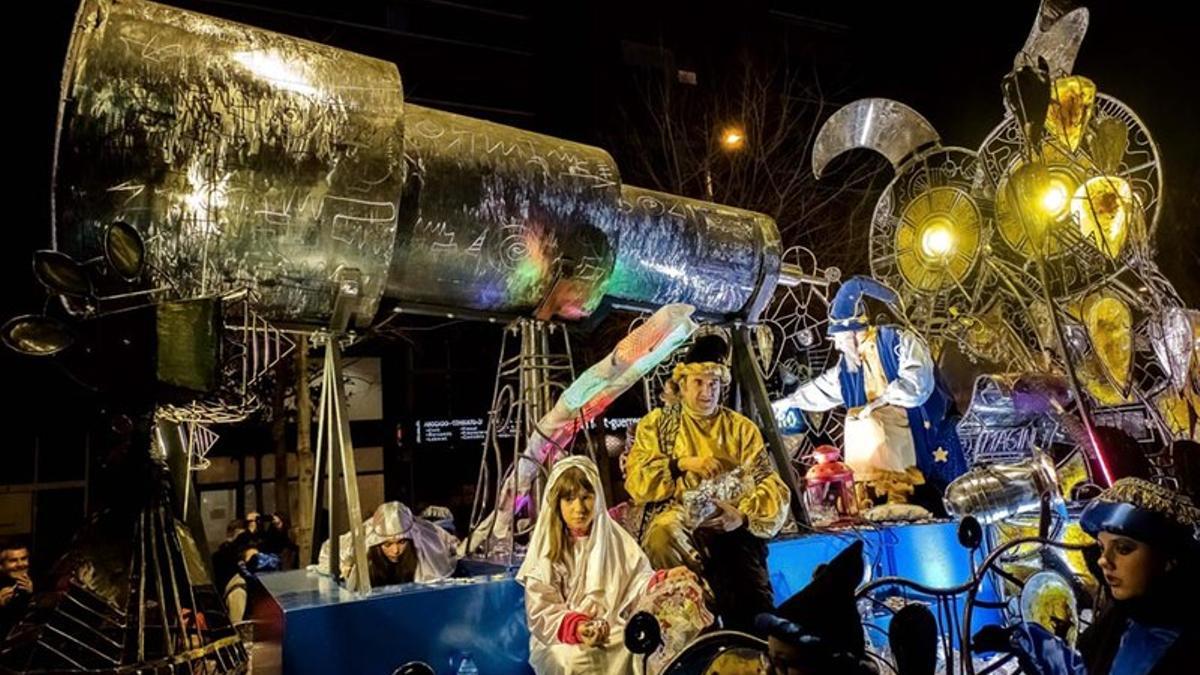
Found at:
(750, 377)
(336, 449)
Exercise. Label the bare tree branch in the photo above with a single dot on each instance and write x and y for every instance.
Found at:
(671, 137)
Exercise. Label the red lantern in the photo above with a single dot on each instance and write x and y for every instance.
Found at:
(829, 489)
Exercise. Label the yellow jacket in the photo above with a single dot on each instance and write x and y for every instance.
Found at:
(729, 437)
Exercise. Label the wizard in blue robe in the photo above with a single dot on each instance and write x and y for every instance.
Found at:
(901, 429)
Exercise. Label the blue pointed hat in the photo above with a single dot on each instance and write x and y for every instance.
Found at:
(848, 312)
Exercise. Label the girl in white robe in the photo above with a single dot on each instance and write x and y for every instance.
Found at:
(393, 523)
(582, 575)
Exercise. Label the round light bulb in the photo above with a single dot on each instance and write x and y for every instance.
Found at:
(937, 240)
(1056, 198)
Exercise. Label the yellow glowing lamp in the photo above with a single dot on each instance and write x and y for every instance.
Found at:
(1032, 195)
(1103, 207)
(937, 239)
(733, 138)
(1072, 100)
(1055, 197)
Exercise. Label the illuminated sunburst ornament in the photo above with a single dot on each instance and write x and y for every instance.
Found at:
(1055, 199)
(1046, 200)
(1091, 139)
(928, 232)
(937, 238)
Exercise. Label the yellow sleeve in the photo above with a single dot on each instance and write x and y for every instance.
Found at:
(766, 506)
(648, 470)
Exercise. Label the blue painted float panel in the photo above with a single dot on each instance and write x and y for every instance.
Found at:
(325, 629)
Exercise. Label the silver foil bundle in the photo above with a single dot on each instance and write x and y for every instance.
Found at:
(700, 504)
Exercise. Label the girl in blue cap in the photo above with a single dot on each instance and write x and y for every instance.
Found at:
(1148, 573)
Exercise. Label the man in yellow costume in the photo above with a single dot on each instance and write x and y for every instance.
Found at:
(678, 446)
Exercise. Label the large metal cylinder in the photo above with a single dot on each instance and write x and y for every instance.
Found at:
(243, 157)
(246, 158)
(722, 260)
(493, 216)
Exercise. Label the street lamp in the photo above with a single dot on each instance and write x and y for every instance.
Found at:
(732, 139)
